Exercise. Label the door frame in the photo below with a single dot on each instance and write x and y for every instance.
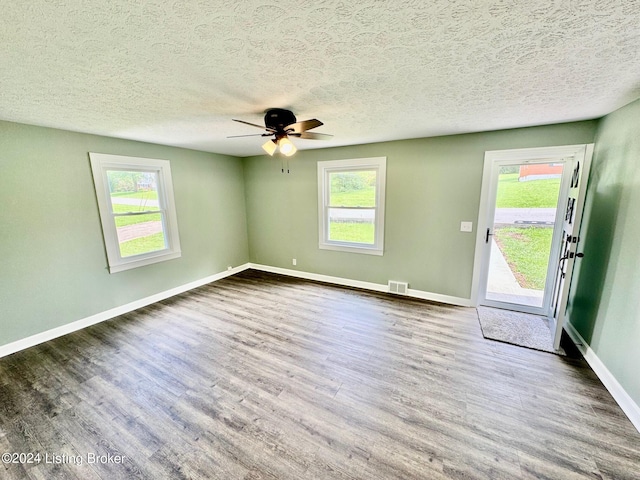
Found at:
(487, 206)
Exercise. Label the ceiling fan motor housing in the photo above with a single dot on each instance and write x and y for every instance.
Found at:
(278, 118)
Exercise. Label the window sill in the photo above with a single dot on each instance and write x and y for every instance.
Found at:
(351, 249)
(129, 264)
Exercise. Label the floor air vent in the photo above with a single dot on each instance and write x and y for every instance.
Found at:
(399, 288)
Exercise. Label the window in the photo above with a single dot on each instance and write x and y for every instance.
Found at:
(351, 205)
(135, 199)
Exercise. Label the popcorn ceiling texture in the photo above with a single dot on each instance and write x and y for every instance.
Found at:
(176, 73)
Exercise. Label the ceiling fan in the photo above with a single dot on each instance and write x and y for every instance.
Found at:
(282, 124)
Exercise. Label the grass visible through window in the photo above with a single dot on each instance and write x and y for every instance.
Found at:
(359, 232)
(133, 219)
(365, 197)
(138, 234)
(526, 250)
(532, 194)
(136, 246)
(352, 189)
(144, 194)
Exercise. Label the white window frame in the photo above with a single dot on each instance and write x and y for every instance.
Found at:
(100, 163)
(379, 164)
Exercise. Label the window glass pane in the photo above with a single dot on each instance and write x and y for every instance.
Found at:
(351, 205)
(138, 234)
(353, 189)
(132, 191)
(137, 212)
(352, 225)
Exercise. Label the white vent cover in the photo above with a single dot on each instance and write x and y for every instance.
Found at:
(400, 288)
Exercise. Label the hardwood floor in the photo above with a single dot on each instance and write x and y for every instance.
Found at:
(260, 376)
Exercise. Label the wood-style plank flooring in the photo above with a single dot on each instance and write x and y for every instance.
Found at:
(260, 376)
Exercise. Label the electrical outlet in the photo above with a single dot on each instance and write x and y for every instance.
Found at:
(295, 262)
(229, 267)
(466, 226)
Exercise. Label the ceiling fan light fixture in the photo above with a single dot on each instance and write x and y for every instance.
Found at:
(287, 148)
(281, 123)
(270, 147)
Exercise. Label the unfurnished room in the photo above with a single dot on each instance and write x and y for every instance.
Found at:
(320, 240)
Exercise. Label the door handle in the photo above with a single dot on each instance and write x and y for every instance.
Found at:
(572, 255)
(486, 240)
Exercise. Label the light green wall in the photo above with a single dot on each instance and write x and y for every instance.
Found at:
(432, 185)
(53, 267)
(605, 301)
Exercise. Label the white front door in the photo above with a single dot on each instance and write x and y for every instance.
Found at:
(522, 226)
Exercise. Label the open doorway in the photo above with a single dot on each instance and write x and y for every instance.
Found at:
(530, 212)
(521, 234)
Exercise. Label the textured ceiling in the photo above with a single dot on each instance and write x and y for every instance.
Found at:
(176, 72)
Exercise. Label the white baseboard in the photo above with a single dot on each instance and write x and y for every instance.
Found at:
(629, 407)
(38, 338)
(376, 287)
(619, 394)
(438, 297)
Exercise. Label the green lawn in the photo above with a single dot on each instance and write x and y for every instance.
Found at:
(147, 194)
(532, 194)
(352, 232)
(150, 243)
(364, 197)
(352, 190)
(123, 221)
(526, 250)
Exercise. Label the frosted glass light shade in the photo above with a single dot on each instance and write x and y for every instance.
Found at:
(287, 147)
(270, 147)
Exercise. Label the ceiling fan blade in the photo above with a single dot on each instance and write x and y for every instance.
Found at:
(252, 135)
(303, 126)
(312, 135)
(254, 125)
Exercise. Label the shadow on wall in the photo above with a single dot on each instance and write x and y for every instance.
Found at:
(586, 295)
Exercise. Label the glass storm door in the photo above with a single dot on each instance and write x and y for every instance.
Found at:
(521, 232)
(529, 218)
